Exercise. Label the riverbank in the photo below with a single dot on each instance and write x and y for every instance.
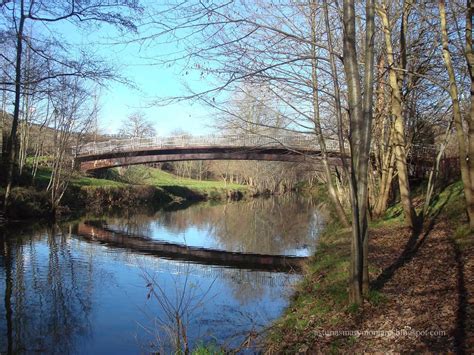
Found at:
(151, 187)
(422, 290)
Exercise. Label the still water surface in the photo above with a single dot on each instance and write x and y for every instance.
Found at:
(138, 282)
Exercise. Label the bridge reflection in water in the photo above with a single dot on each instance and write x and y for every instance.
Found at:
(98, 231)
(71, 293)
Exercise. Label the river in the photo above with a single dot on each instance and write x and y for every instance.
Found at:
(145, 281)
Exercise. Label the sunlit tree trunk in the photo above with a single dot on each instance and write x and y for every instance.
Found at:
(383, 148)
(470, 65)
(464, 143)
(385, 183)
(399, 124)
(360, 111)
(337, 90)
(27, 109)
(2, 125)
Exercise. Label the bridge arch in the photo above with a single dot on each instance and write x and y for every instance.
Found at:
(123, 152)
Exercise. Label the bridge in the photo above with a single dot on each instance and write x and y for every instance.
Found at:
(133, 151)
(290, 148)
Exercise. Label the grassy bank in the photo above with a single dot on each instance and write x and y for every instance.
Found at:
(188, 188)
(139, 186)
(419, 283)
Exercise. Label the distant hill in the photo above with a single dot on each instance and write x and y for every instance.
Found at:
(39, 132)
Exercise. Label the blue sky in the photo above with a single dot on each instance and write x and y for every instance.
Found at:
(152, 82)
(118, 100)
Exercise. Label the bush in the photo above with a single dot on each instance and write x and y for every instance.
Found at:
(27, 203)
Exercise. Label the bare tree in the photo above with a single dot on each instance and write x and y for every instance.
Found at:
(465, 139)
(360, 111)
(15, 17)
(71, 118)
(398, 136)
(137, 126)
(277, 55)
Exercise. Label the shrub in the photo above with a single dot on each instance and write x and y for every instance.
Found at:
(27, 203)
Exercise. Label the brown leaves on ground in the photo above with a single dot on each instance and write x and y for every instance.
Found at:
(426, 283)
(421, 298)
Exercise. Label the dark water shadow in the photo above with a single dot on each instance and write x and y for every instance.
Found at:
(183, 192)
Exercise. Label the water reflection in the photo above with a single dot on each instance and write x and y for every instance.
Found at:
(98, 231)
(284, 225)
(45, 303)
(64, 294)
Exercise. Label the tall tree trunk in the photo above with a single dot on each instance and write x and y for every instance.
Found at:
(24, 127)
(384, 153)
(470, 65)
(399, 125)
(317, 123)
(13, 139)
(385, 183)
(337, 91)
(369, 57)
(360, 110)
(2, 127)
(464, 153)
(433, 176)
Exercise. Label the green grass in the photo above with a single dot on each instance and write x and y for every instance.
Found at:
(450, 202)
(89, 181)
(321, 298)
(209, 349)
(160, 178)
(142, 175)
(79, 180)
(42, 176)
(392, 217)
(170, 184)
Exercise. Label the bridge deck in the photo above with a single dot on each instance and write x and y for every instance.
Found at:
(130, 151)
(300, 142)
(119, 152)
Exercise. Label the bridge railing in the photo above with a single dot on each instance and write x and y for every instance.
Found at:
(296, 142)
(299, 142)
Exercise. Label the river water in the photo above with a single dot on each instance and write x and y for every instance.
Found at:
(152, 281)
